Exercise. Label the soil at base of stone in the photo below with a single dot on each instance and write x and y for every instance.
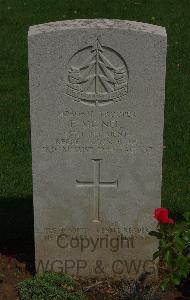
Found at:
(13, 271)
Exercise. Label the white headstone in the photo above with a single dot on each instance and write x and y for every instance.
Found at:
(97, 116)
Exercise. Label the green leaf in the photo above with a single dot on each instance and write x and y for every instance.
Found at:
(181, 260)
(179, 228)
(163, 243)
(156, 234)
(187, 216)
(164, 285)
(182, 264)
(175, 280)
(168, 257)
(156, 254)
(186, 235)
(179, 243)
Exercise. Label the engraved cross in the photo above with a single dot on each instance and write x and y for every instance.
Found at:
(97, 184)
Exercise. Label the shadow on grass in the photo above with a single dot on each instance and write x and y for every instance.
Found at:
(17, 229)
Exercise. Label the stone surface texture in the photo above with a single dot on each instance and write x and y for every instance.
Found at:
(97, 116)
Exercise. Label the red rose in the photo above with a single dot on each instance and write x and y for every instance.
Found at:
(161, 215)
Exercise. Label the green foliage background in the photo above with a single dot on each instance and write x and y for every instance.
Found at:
(15, 149)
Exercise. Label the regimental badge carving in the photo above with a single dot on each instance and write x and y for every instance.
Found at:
(96, 75)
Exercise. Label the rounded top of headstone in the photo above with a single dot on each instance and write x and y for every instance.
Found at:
(97, 23)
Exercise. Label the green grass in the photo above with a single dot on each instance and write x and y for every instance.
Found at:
(15, 149)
